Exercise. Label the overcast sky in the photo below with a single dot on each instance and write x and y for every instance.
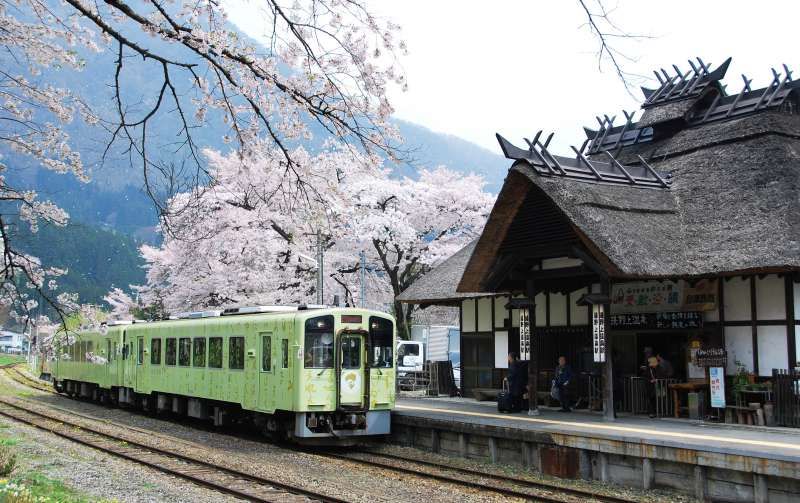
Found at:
(477, 67)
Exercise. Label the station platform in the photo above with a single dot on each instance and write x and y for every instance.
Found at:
(711, 461)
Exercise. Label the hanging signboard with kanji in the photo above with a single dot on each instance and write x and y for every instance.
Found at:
(659, 321)
(599, 333)
(524, 334)
(663, 296)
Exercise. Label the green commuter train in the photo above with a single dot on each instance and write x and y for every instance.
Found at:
(310, 374)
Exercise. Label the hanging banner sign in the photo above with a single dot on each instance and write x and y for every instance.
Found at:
(662, 296)
(599, 333)
(524, 334)
(717, 384)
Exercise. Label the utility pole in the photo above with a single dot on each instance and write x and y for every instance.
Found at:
(320, 258)
(362, 275)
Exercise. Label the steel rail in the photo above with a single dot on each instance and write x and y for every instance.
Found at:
(205, 473)
(505, 491)
(506, 478)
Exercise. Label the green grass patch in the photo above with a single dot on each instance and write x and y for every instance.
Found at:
(9, 359)
(37, 487)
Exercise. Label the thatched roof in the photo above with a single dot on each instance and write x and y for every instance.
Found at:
(439, 285)
(733, 204)
(730, 202)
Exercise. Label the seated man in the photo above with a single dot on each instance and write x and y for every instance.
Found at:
(563, 375)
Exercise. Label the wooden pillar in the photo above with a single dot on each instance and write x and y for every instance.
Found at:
(602, 459)
(463, 447)
(533, 364)
(760, 488)
(608, 367)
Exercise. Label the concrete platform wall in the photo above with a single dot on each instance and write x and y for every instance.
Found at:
(735, 479)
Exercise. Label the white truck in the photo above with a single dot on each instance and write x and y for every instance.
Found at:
(434, 343)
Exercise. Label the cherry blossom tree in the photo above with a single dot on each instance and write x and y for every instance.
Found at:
(408, 226)
(329, 64)
(242, 248)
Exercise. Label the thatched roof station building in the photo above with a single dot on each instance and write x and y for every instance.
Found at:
(678, 231)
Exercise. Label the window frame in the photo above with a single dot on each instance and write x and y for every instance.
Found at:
(174, 352)
(221, 352)
(153, 352)
(230, 351)
(140, 350)
(205, 352)
(285, 353)
(266, 336)
(188, 356)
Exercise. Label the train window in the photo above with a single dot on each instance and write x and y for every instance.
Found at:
(199, 352)
(351, 352)
(171, 352)
(381, 342)
(236, 353)
(108, 351)
(285, 353)
(155, 352)
(215, 352)
(319, 342)
(140, 351)
(266, 353)
(184, 351)
(83, 351)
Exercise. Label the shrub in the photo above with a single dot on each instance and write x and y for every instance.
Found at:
(8, 460)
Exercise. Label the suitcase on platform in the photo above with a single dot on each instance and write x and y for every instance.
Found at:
(505, 403)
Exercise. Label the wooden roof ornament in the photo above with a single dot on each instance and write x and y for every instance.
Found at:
(582, 168)
(682, 85)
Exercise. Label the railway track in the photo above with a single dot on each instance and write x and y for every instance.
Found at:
(220, 478)
(514, 487)
(508, 486)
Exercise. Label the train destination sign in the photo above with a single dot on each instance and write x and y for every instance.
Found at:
(657, 321)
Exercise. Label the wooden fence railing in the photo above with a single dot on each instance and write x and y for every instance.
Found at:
(786, 387)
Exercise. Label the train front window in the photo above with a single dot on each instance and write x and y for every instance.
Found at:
(319, 343)
(381, 342)
(351, 352)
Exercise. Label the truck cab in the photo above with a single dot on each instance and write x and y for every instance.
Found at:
(410, 356)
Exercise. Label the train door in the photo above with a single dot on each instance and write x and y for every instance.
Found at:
(129, 361)
(139, 363)
(250, 398)
(351, 369)
(266, 373)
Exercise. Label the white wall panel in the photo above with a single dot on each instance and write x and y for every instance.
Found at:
(797, 301)
(737, 299)
(770, 298)
(541, 309)
(468, 315)
(797, 344)
(739, 344)
(771, 349)
(578, 315)
(485, 314)
(558, 309)
(500, 311)
(501, 350)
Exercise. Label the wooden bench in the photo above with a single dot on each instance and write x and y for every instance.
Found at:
(741, 415)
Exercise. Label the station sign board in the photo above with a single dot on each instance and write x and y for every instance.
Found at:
(663, 296)
(681, 320)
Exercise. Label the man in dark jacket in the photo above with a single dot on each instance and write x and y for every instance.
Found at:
(563, 376)
(517, 377)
